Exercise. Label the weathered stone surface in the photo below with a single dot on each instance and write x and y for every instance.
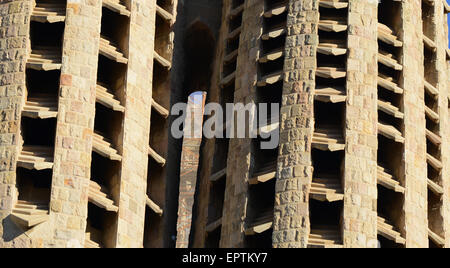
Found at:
(415, 210)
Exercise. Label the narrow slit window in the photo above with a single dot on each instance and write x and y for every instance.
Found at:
(100, 227)
(114, 28)
(34, 185)
(390, 217)
(275, 22)
(235, 22)
(260, 215)
(46, 35)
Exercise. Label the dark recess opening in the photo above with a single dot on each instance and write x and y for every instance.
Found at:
(274, 3)
(162, 37)
(431, 74)
(325, 215)
(391, 120)
(435, 219)
(220, 155)
(235, 22)
(101, 225)
(273, 44)
(332, 37)
(327, 164)
(390, 207)
(275, 22)
(431, 244)
(38, 131)
(325, 82)
(232, 45)
(387, 243)
(432, 125)
(114, 27)
(262, 159)
(428, 20)
(158, 133)
(229, 68)
(389, 72)
(271, 67)
(106, 173)
(431, 102)
(34, 185)
(269, 94)
(263, 240)
(259, 210)
(327, 13)
(198, 66)
(389, 96)
(216, 198)
(213, 238)
(111, 75)
(165, 4)
(328, 115)
(108, 123)
(331, 61)
(388, 49)
(46, 34)
(42, 83)
(237, 3)
(390, 156)
(389, 13)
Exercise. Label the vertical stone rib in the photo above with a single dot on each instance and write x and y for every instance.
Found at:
(236, 192)
(138, 96)
(291, 220)
(360, 175)
(214, 150)
(415, 168)
(443, 87)
(73, 146)
(14, 48)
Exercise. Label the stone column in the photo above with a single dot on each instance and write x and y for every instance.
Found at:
(236, 193)
(415, 165)
(360, 175)
(190, 157)
(75, 123)
(14, 48)
(209, 148)
(136, 126)
(291, 220)
(443, 88)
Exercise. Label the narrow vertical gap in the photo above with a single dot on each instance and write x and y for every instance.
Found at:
(259, 213)
(328, 143)
(433, 128)
(260, 207)
(104, 185)
(156, 178)
(390, 206)
(217, 183)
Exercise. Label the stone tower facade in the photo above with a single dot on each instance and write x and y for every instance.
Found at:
(87, 159)
(85, 79)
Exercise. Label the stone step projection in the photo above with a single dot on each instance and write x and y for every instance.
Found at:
(159, 124)
(263, 168)
(39, 111)
(103, 195)
(390, 123)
